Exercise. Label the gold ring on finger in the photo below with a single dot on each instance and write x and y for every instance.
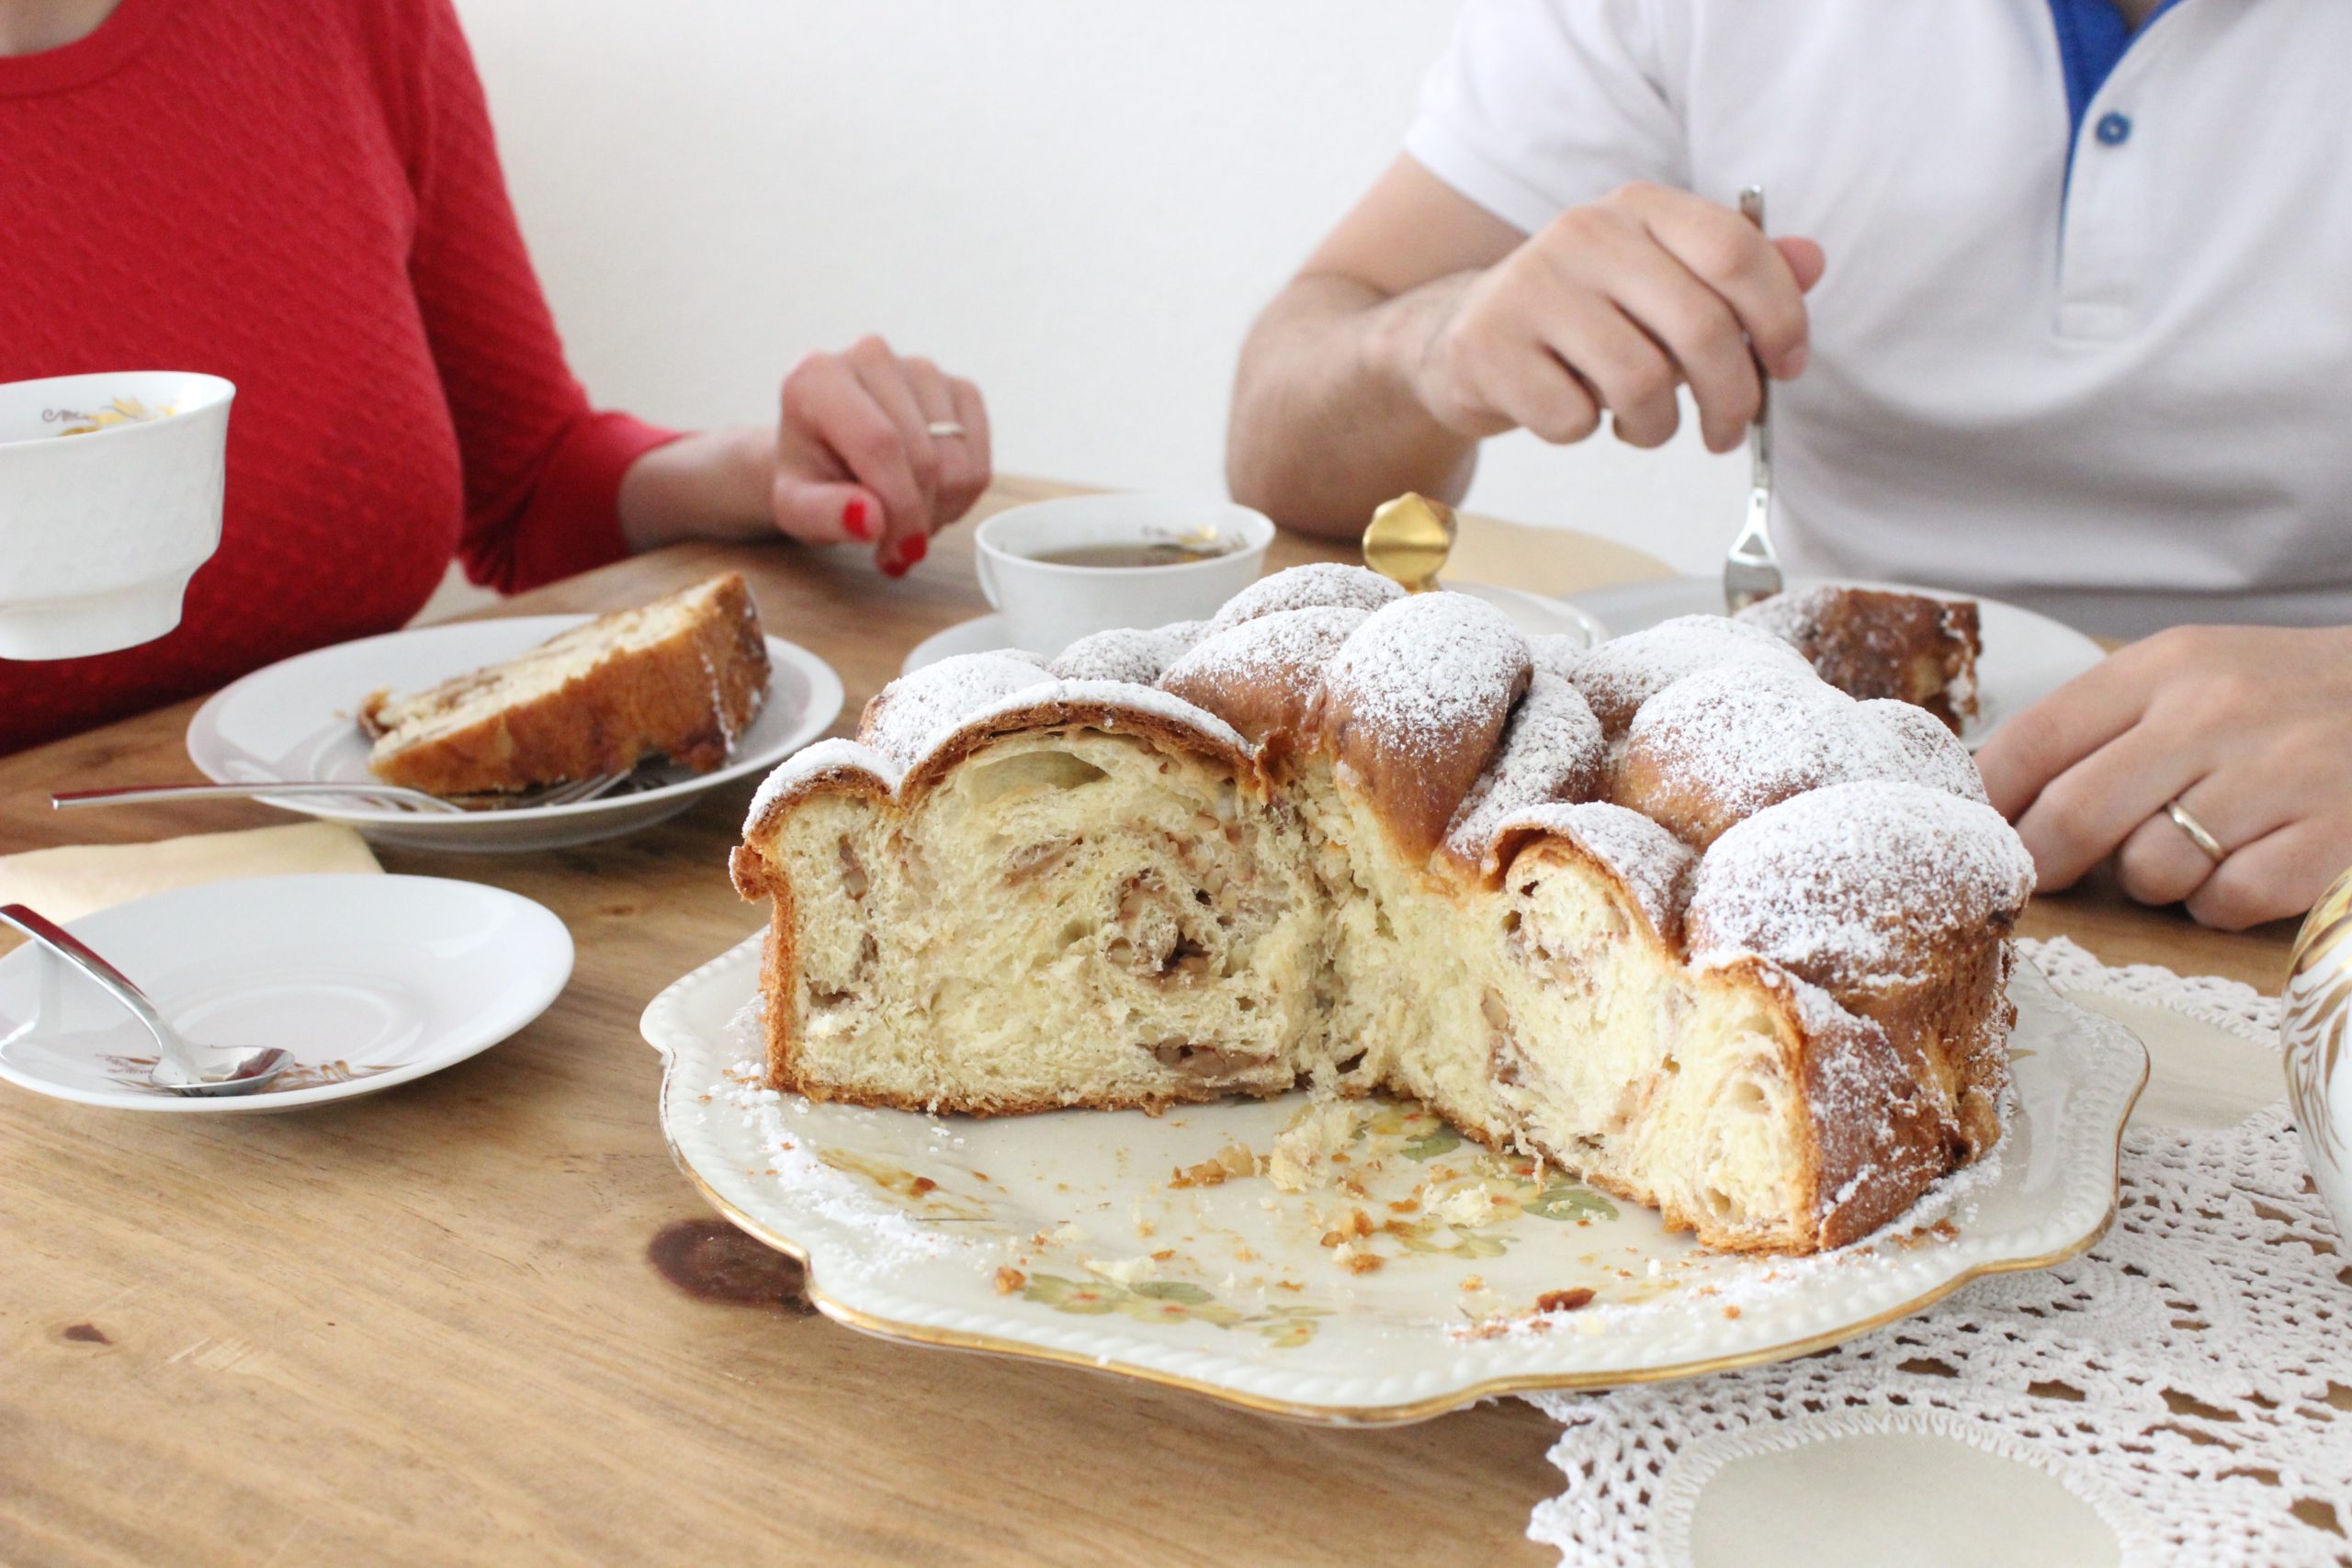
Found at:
(2197, 832)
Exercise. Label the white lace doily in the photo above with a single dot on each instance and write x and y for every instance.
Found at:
(2175, 1379)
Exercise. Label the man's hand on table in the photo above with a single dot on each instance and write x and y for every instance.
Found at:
(851, 459)
(1610, 308)
(2249, 727)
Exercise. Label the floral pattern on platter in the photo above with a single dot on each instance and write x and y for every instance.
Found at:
(1171, 1301)
(1437, 1196)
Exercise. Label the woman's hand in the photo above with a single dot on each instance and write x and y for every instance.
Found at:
(2248, 728)
(853, 457)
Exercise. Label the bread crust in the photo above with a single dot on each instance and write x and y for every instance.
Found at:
(684, 697)
(1887, 1087)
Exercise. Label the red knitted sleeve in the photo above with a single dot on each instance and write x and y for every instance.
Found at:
(542, 470)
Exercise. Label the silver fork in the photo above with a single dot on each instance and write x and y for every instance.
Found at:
(571, 794)
(1751, 566)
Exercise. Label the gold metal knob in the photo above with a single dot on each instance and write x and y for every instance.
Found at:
(1409, 540)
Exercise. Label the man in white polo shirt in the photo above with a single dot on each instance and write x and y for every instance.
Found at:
(2062, 293)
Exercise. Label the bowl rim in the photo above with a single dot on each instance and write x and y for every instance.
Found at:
(218, 391)
(1260, 525)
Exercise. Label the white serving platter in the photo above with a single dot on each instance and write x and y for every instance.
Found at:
(1060, 1236)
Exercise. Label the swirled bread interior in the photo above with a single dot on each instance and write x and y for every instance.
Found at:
(1027, 888)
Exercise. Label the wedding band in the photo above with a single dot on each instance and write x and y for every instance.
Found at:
(2196, 831)
(943, 428)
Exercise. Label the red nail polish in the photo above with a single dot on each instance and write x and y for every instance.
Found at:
(892, 566)
(853, 518)
(916, 547)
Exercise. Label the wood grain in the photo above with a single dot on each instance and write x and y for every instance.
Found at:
(423, 1326)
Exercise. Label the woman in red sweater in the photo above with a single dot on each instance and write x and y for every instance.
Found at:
(304, 197)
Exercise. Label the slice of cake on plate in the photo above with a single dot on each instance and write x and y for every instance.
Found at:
(1873, 642)
(679, 678)
(1736, 945)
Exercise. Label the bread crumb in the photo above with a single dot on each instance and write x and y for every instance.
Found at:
(1304, 1151)
(1473, 1282)
(1471, 1207)
(1564, 1300)
(1730, 1312)
(1163, 1255)
(1008, 1281)
(1124, 1271)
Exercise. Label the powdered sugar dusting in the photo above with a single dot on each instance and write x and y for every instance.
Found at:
(1557, 652)
(1936, 755)
(1795, 616)
(1138, 655)
(824, 757)
(1275, 645)
(895, 1239)
(1117, 696)
(1429, 671)
(1552, 751)
(916, 711)
(1625, 673)
(1738, 739)
(1858, 883)
(1306, 587)
(1652, 862)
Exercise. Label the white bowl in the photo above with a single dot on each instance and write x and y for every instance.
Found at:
(105, 529)
(1047, 606)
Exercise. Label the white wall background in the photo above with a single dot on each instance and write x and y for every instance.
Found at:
(1078, 203)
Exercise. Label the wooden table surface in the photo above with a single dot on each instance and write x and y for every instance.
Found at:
(428, 1325)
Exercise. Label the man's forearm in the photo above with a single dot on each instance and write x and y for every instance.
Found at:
(1326, 424)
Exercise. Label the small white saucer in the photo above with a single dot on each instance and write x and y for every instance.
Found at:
(1530, 613)
(368, 981)
(2027, 655)
(293, 721)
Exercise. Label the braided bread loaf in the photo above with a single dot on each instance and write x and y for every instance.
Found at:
(1674, 915)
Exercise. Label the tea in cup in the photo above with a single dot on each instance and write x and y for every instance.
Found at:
(1061, 570)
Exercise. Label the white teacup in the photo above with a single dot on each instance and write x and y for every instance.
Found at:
(100, 532)
(1047, 606)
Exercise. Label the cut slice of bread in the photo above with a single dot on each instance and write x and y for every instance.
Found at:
(679, 678)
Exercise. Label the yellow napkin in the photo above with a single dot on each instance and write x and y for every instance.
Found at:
(70, 880)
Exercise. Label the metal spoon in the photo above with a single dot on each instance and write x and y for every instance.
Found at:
(1752, 568)
(181, 1067)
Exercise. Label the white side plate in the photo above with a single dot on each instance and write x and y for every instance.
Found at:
(294, 721)
(368, 981)
(905, 1222)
